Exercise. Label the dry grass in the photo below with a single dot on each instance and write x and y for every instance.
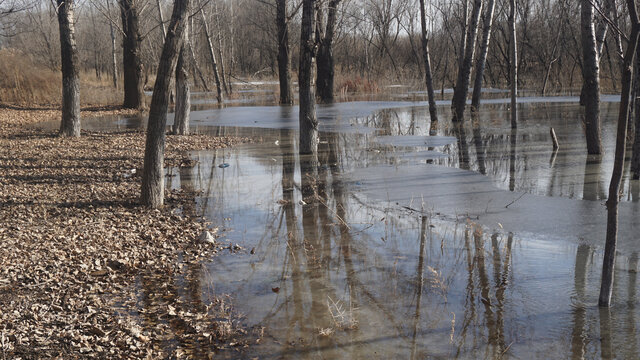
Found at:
(98, 91)
(25, 83)
(357, 84)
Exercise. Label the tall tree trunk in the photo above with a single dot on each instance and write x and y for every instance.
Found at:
(326, 67)
(608, 8)
(308, 48)
(428, 76)
(194, 60)
(284, 54)
(232, 59)
(161, 16)
(70, 124)
(591, 76)
(152, 193)
(223, 75)
(635, 157)
(114, 61)
(461, 88)
(131, 56)
(183, 92)
(514, 65)
(214, 63)
(487, 23)
(608, 263)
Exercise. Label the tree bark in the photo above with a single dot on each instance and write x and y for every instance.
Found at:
(608, 264)
(223, 76)
(70, 124)
(428, 76)
(196, 66)
(114, 61)
(591, 77)
(514, 65)
(284, 54)
(461, 88)
(308, 48)
(325, 60)
(214, 63)
(482, 58)
(161, 16)
(152, 193)
(183, 92)
(131, 56)
(635, 157)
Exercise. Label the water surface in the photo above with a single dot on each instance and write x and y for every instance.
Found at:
(414, 239)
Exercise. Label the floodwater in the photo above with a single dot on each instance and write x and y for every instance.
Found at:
(414, 239)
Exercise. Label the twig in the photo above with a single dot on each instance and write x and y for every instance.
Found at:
(507, 349)
(519, 197)
(554, 139)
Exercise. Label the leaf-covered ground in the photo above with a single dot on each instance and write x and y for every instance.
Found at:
(84, 271)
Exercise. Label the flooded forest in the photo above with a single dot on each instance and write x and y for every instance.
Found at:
(319, 179)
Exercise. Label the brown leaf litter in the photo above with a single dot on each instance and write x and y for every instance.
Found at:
(86, 272)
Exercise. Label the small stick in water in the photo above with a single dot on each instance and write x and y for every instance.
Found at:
(554, 139)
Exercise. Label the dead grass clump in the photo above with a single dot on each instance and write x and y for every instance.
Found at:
(358, 84)
(24, 82)
(96, 90)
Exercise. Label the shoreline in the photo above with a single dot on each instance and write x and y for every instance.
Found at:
(86, 270)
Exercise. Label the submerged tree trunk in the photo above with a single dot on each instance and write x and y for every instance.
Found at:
(326, 68)
(284, 54)
(591, 77)
(70, 124)
(214, 63)
(514, 65)
(183, 92)
(308, 46)
(152, 193)
(461, 88)
(428, 76)
(131, 56)
(482, 58)
(608, 263)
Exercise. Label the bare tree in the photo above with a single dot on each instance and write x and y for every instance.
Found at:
(635, 157)
(114, 61)
(212, 56)
(464, 69)
(131, 56)
(591, 76)
(152, 193)
(223, 75)
(487, 23)
(161, 19)
(284, 53)
(308, 48)
(433, 112)
(183, 92)
(608, 262)
(70, 124)
(514, 65)
(325, 61)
